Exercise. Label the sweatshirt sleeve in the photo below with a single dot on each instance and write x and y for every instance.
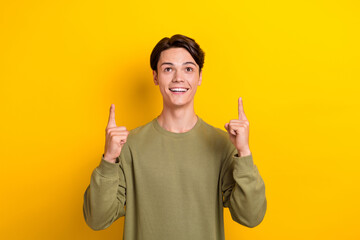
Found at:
(105, 197)
(243, 190)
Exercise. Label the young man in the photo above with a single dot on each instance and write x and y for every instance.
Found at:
(172, 177)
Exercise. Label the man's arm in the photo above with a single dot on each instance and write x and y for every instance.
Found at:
(243, 190)
(105, 197)
(242, 186)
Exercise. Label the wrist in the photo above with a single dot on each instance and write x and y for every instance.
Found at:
(109, 159)
(244, 152)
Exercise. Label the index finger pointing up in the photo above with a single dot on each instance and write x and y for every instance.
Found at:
(111, 122)
(241, 110)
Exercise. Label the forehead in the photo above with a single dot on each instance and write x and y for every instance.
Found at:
(176, 55)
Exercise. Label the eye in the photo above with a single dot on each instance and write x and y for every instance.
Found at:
(189, 69)
(168, 69)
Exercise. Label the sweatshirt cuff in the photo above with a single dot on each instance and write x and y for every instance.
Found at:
(108, 169)
(244, 163)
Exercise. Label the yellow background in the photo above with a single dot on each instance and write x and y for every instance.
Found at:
(294, 63)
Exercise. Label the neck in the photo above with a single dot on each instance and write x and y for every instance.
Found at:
(178, 120)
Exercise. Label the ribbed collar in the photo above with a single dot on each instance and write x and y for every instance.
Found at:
(165, 132)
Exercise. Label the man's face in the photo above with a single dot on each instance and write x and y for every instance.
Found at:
(177, 76)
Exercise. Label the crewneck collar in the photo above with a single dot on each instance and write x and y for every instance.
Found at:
(165, 132)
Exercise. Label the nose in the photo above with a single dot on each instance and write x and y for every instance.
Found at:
(178, 77)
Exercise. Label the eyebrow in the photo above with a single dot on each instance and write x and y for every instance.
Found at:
(169, 63)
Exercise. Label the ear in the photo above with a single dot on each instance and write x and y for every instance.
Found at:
(155, 77)
(200, 78)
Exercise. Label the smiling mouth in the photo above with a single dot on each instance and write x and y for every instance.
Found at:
(178, 89)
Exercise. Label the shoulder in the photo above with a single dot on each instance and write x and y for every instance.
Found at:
(139, 133)
(215, 131)
(220, 136)
(219, 140)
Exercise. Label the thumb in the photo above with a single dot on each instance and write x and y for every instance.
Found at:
(111, 122)
(227, 126)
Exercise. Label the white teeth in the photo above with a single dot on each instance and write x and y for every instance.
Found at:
(178, 89)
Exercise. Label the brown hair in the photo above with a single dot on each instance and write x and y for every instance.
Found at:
(177, 41)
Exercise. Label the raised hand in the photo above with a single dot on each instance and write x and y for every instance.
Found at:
(115, 138)
(238, 130)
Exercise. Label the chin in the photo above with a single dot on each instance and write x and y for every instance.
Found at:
(180, 104)
(177, 104)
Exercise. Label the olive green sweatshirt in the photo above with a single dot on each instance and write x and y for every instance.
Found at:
(174, 185)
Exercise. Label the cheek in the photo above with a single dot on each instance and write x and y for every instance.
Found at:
(194, 82)
(165, 78)
(163, 87)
